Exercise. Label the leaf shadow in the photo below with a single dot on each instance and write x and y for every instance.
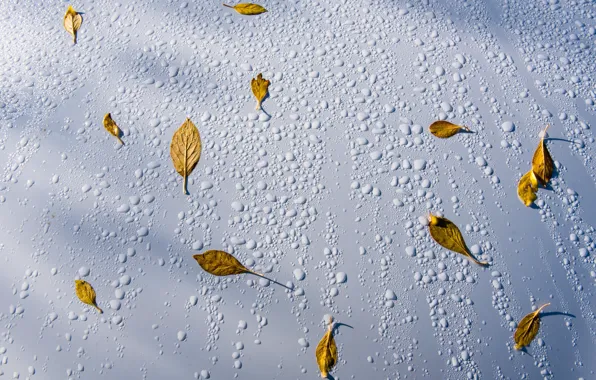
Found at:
(265, 112)
(525, 351)
(555, 313)
(466, 131)
(119, 137)
(548, 186)
(337, 324)
(558, 139)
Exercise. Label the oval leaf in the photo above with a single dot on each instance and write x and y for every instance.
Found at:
(185, 150)
(527, 329)
(444, 232)
(444, 129)
(542, 162)
(110, 125)
(220, 263)
(72, 22)
(249, 9)
(326, 352)
(86, 293)
(527, 188)
(259, 88)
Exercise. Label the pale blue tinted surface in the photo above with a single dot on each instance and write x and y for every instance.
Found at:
(327, 190)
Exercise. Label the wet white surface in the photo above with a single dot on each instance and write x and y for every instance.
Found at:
(327, 190)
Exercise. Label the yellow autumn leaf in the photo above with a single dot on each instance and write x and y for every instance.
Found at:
(72, 22)
(259, 88)
(249, 9)
(527, 188)
(220, 263)
(444, 232)
(444, 129)
(86, 293)
(185, 150)
(110, 125)
(326, 352)
(527, 329)
(542, 162)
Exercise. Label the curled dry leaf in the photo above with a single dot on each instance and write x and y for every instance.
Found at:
(72, 22)
(542, 162)
(444, 232)
(249, 9)
(220, 263)
(259, 88)
(527, 328)
(185, 150)
(444, 129)
(326, 352)
(527, 188)
(86, 293)
(110, 125)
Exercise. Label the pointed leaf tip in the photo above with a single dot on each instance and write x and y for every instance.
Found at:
(72, 22)
(185, 150)
(448, 235)
(444, 129)
(326, 353)
(528, 328)
(220, 263)
(110, 125)
(86, 293)
(542, 162)
(248, 9)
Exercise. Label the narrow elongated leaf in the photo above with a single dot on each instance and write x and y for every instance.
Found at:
(220, 263)
(527, 329)
(185, 150)
(444, 232)
(542, 162)
(326, 352)
(86, 293)
(72, 22)
(527, 188)
(444, 129)
(259, 88)
(248, 9)
(110, 125)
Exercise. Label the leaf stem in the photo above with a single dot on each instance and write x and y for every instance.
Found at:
(120, 140)
(98, 309)
(331, 324)
(256, 273)
(184, 180)
(229, 6)
(258, 107)
(482, 263)
(544, 132)
(267, 278)
(540, 308)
